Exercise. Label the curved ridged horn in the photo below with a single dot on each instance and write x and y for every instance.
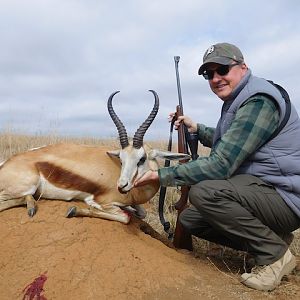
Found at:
(121, 128)
(139, 135)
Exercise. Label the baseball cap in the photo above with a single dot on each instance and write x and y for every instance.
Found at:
(221, 53)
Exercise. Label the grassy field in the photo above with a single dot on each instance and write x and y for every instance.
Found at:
(12, 143)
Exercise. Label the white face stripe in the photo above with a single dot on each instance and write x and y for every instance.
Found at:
(130, 159)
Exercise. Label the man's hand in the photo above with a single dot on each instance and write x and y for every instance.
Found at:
(148, 177)
(189, 123)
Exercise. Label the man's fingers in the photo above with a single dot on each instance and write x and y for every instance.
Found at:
(178, 122)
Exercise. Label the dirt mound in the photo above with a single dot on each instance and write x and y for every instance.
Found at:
(85, 258)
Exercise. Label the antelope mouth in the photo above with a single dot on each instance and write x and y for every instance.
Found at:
(122, 191)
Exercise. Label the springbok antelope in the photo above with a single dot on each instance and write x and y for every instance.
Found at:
(102, 178)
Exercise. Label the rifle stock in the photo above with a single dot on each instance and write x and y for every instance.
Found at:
(182, 148)
(182, 239)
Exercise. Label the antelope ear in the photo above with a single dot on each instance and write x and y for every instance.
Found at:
(155, 153)
(113, 153)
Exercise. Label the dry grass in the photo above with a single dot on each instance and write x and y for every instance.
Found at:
(11, 143)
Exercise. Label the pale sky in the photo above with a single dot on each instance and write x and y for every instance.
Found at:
(61, 59)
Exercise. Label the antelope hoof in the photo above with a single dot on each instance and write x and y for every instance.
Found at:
(31, 212)
(141, 214)
(71, 212)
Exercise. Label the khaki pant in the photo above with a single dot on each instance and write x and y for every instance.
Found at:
(243, 213)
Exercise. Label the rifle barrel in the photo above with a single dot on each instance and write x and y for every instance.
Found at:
(176, 59)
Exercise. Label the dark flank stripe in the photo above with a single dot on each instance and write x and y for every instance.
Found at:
(65, 179)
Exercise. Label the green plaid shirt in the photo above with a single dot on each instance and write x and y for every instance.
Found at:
(253, 124)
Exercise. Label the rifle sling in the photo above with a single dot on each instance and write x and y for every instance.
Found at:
(163, 189)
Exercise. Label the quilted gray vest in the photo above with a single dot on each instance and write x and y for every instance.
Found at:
(278, 161)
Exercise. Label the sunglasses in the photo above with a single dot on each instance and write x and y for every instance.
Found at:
(221, 70)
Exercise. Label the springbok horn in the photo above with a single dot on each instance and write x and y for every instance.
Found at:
(121, 128)
(139, 135)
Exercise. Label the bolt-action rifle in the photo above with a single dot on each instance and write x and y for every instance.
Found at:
(186, 141)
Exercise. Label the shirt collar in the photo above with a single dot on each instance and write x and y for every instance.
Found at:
(240, 86)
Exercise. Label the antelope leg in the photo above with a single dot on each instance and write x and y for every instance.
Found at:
(111, 212)
(31, 205)
(136, 210)
(12, 203)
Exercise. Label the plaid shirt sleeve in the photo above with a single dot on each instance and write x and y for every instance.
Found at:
(205, 135)
(253, 124)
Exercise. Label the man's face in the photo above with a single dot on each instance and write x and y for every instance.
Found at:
(223, 85)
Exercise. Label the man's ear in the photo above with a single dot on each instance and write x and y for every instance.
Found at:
(155, 153)
(113, 153)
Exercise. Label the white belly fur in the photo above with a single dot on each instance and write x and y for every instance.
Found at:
(50, 191)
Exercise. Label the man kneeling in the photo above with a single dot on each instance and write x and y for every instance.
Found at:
(246, 194)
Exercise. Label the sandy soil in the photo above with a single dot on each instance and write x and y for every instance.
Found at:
(85, 258)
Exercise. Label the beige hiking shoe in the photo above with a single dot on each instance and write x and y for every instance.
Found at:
(266, 278)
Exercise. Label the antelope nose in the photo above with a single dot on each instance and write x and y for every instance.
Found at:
(121, 187)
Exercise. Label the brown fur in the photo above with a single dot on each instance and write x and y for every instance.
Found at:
(68, 180)
(74, 168)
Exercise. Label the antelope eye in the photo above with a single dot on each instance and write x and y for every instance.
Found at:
(142, 160)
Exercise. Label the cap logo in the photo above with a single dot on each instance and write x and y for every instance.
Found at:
(209, 51)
